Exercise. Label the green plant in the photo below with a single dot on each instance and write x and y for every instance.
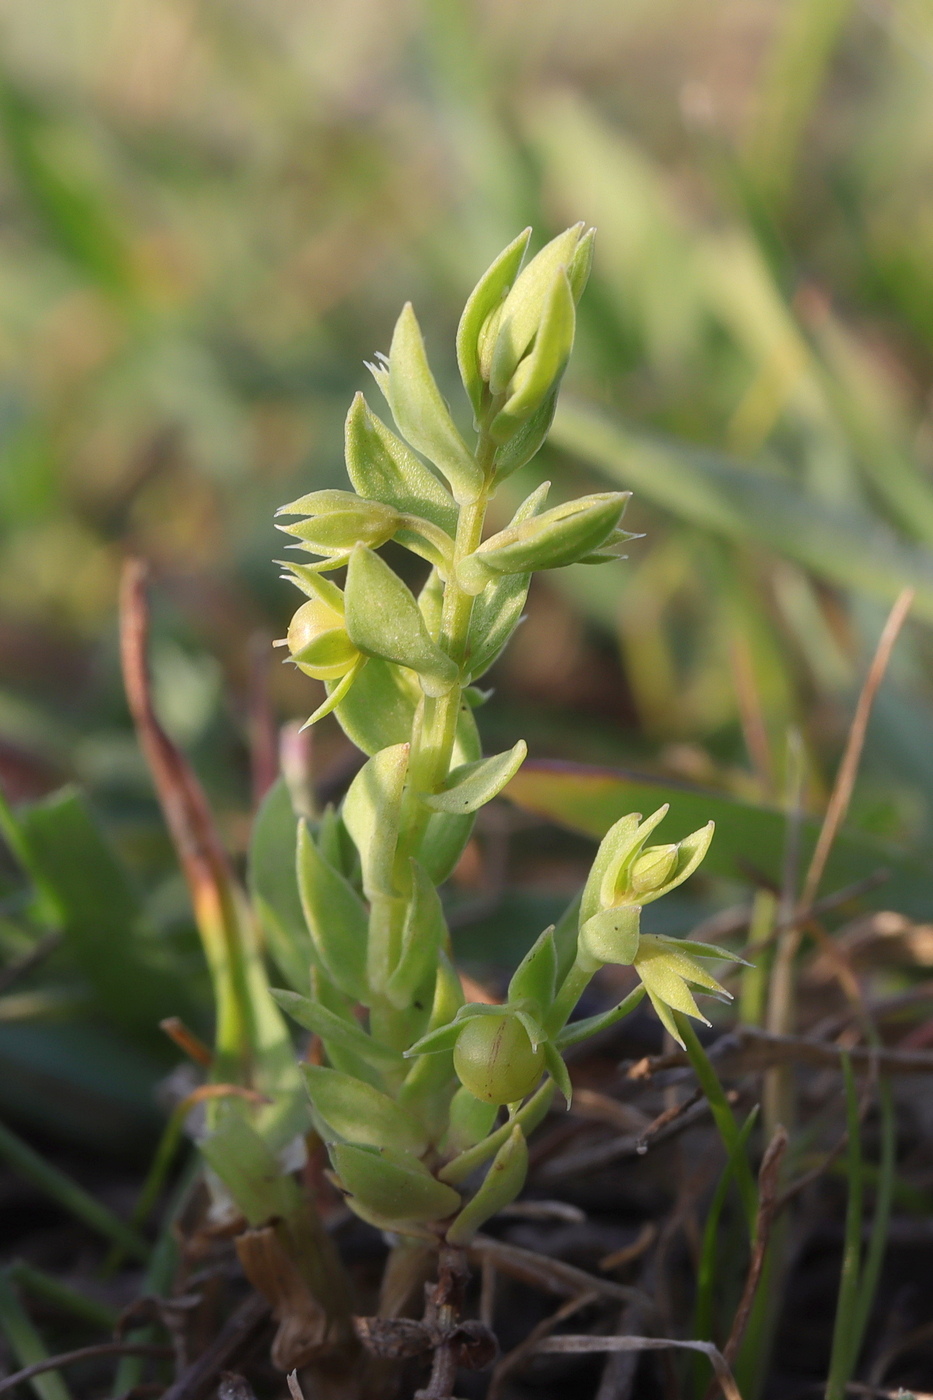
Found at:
(409, 1097)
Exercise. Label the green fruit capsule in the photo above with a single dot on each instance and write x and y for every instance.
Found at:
(496, 1061)
(318, 641)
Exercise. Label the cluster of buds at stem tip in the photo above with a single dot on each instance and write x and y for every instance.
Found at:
(414, 1081)
(626, 875)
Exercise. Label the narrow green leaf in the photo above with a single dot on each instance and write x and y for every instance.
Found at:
(474, 784)
(273, 884)
(420, 413)
(250, 1170)
(395, 1187)
(502, 1184)
(383, 619)
(443, 843)
(527, 1118)
(383, 468)
(576, 1031)
(26, 1343)
(336, 917)
(424, 934)
(371, 812)
(333, 1028)
(358, 1113)
(29, 1165)
(497, 610)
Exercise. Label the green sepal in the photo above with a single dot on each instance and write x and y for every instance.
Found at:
(394, 1185)
(502, 1184)
(336, 917)
(575, 1031)
(497, 609)
(431, 603)
(669, 953)
(383, 468)
(472, 785)
(558, 1070)
(690, 852)
(470, 1120)
(488, 293)
(334, 1028)
(527, 439)
(424, 934)
(313, 584)
(339, 693)
(420, 413)
(525, 303)
(552, 540)
(578, 273)
(371, 811)
(540, 372)
(534, 979)
(434, 1041)
(703, 950)
(528, 1117)
(380, 709)
(611, 936)
(383, 620)
(615, 845)
(358, 1113)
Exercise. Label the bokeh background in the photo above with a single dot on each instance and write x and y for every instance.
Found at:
(210, 214)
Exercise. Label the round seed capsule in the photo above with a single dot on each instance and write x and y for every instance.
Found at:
(495, 1059)
(318, 641)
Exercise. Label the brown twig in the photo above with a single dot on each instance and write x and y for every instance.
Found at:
(231, 1342)
(768, 1177)
(601, 1154)
(186, 1040)
(526, 1348)
(551, 1275)
(848, 768)
(67, 1358)
(584, 1345)
(748, 1050)
(443, 1314)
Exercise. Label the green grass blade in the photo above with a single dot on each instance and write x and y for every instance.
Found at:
(69, 1195)
(59, 1295)
(26, 1343)
(706, 1270)
(874, 1255)
(839, 543)
(723, 1117)
(845, 1339)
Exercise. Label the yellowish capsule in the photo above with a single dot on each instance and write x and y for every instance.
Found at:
(495, 1059)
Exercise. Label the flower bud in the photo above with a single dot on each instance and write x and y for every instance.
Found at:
(318, 641)
(559, 536)
(651, 869)
(495, 1059)
(337, 520)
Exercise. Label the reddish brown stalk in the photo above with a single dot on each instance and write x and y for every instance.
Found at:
(184, 804)
(848, 769)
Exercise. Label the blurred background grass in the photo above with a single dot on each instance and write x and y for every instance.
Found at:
(210, 214)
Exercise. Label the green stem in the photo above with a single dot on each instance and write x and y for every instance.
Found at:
(572, 988)
(723, 1117)
(845, 1342)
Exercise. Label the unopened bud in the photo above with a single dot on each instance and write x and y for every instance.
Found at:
(558, 537)
(651, 869)
(337, 520)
